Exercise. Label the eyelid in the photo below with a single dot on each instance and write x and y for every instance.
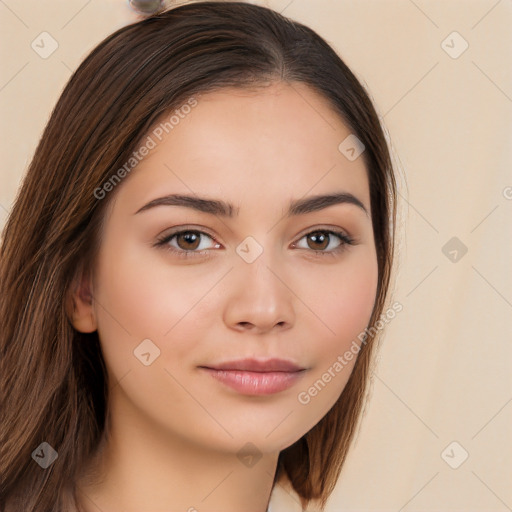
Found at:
(327, 227)
(185, 228)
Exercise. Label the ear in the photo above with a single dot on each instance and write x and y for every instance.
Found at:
(79, 304)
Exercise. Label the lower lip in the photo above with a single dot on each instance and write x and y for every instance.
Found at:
(256, 383)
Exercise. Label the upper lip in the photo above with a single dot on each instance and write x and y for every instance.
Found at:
(257, 365)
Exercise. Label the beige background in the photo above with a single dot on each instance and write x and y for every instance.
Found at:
(444, 371)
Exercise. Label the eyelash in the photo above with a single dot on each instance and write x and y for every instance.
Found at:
(182, 253)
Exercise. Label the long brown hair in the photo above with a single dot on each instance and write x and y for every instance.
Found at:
(54, 385)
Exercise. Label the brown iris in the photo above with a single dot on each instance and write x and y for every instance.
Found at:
(319, 237)
(191, 240)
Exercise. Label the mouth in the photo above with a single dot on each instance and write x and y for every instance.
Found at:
(257, 377)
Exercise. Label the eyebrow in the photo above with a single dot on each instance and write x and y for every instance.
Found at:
(221, 208)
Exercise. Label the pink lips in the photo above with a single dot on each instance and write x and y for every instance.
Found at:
(254, 377)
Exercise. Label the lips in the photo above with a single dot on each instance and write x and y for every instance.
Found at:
(255, 365)
(256, 377)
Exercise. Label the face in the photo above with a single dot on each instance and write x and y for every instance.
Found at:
(180, 291)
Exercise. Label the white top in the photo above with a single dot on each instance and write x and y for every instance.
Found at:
(284, 498)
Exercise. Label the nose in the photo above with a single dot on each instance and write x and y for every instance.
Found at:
(259, 298)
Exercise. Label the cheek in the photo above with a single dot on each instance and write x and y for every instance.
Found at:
(139, 298)
(344, 306)
(352, 301)
(342, 300)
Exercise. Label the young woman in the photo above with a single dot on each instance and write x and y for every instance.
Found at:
(192, 269)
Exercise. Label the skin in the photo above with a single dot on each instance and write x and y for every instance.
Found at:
(176, 431)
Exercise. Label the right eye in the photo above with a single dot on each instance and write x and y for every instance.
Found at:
(186, 242)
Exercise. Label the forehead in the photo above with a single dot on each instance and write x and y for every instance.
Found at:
(272, 143)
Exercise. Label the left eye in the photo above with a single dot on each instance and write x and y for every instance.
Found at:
(323, 236)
